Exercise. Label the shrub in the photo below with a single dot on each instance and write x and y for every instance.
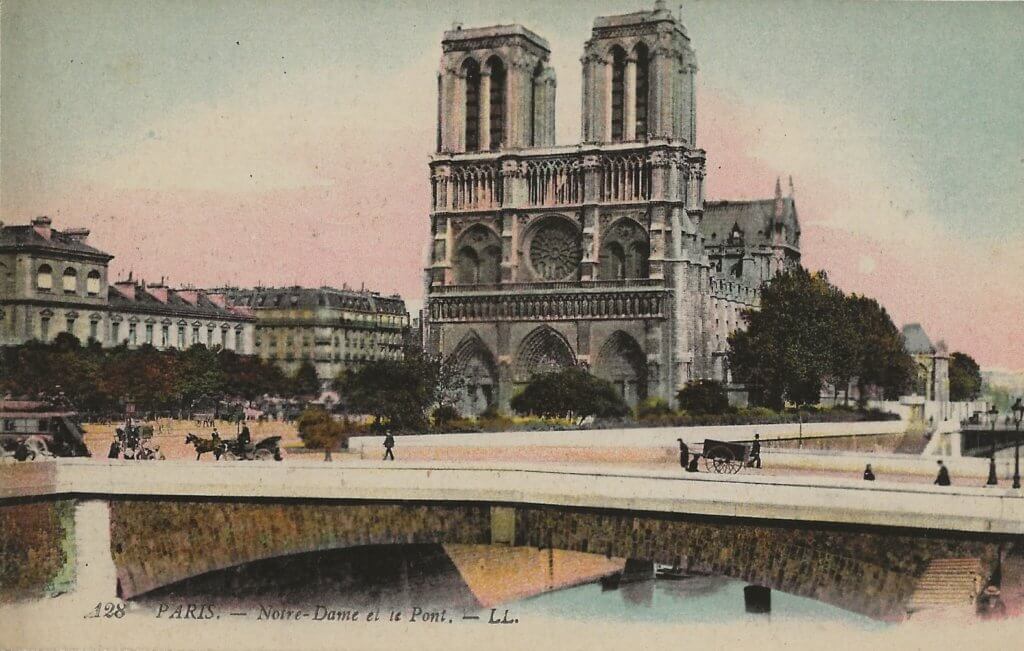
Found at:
(653, 408)
(444, 415)
(703, 397)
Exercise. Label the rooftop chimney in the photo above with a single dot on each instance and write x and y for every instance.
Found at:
(77, 234)
(126, 288)
(42, 226)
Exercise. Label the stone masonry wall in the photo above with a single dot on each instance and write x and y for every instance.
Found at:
(157, 543)
(870, 573)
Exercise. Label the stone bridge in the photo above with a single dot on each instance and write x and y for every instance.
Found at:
(861, 547)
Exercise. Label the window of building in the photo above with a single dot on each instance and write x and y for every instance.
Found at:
(133, 335)
(149, 334)
(618, 92)
(471, 73)
(181, 337)
(92, 283)
(209, 335)
(195, 335)
(70, 280)
(44, 328)
(165, 335)
(115, 332)
(94, 327)
(497, 125)
(44, 278)
(71, 325)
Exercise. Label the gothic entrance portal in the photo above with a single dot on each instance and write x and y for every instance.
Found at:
(622, 362)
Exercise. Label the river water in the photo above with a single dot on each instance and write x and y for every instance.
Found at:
(423, 576)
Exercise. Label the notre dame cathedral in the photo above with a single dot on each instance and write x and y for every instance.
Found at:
(605, 253)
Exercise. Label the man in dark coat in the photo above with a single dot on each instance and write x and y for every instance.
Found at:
(389, 444)
(684, 454)
(869, 474)
(943, 477)
(755, 452)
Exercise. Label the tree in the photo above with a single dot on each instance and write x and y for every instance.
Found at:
(400, 392)
(703, 397)
(319, 431)
(880, 357)
(807, 334)
(784, 354)
(964, 377)
(306, 381)
(570, 393)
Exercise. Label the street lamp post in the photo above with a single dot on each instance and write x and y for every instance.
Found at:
(1018, 416)
(992, 481)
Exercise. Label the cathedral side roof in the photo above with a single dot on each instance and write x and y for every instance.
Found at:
(755, 218)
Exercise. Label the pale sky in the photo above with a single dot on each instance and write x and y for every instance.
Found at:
(286, 142)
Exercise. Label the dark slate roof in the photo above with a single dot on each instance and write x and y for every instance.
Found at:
(916, 341)
(26, 237)
(755, 219)
(307, 297)
(175, 305)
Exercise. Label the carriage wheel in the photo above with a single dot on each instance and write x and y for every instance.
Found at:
(264, 455)
(229, 456)
(719, 460)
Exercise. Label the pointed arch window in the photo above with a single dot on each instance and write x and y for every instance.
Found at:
(618, 92)
(471, 73)
(497, 102)
(642, 89)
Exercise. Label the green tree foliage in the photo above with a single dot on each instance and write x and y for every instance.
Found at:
(570, 393)
(399, 392)
(307, 382)
(319, 431)
(964, 377)
(703, 397)
(808, 333)
(103, 379)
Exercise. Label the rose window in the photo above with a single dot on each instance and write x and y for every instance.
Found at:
(555, 251)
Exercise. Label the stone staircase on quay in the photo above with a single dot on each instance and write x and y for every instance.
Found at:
(948, 584)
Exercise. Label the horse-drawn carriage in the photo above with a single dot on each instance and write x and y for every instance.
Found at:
(135, 442)
(236, 448)
(32, 429)
(725, 457)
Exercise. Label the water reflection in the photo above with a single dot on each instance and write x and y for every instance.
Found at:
(404, 576)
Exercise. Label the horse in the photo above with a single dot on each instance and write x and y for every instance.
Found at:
(205, 445)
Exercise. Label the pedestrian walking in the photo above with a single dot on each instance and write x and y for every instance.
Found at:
(755, 452)
(684, 454)
(389, 444)
(943, 478)
(869, 475)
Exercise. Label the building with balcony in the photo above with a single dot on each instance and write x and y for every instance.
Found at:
(334, 329)
(54, 281)
(595, 254)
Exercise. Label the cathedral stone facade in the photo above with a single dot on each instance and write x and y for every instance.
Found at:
(596, 254)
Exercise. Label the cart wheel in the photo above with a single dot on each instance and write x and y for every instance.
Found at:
(264, 455)
(229, 456)
(736, 466)
(721, 460)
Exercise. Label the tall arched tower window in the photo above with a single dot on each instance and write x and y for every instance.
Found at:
(642, 89)
(618, 92)
(497, 116)
(471, 74)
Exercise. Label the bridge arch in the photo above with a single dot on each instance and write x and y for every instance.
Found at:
(157, 543)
